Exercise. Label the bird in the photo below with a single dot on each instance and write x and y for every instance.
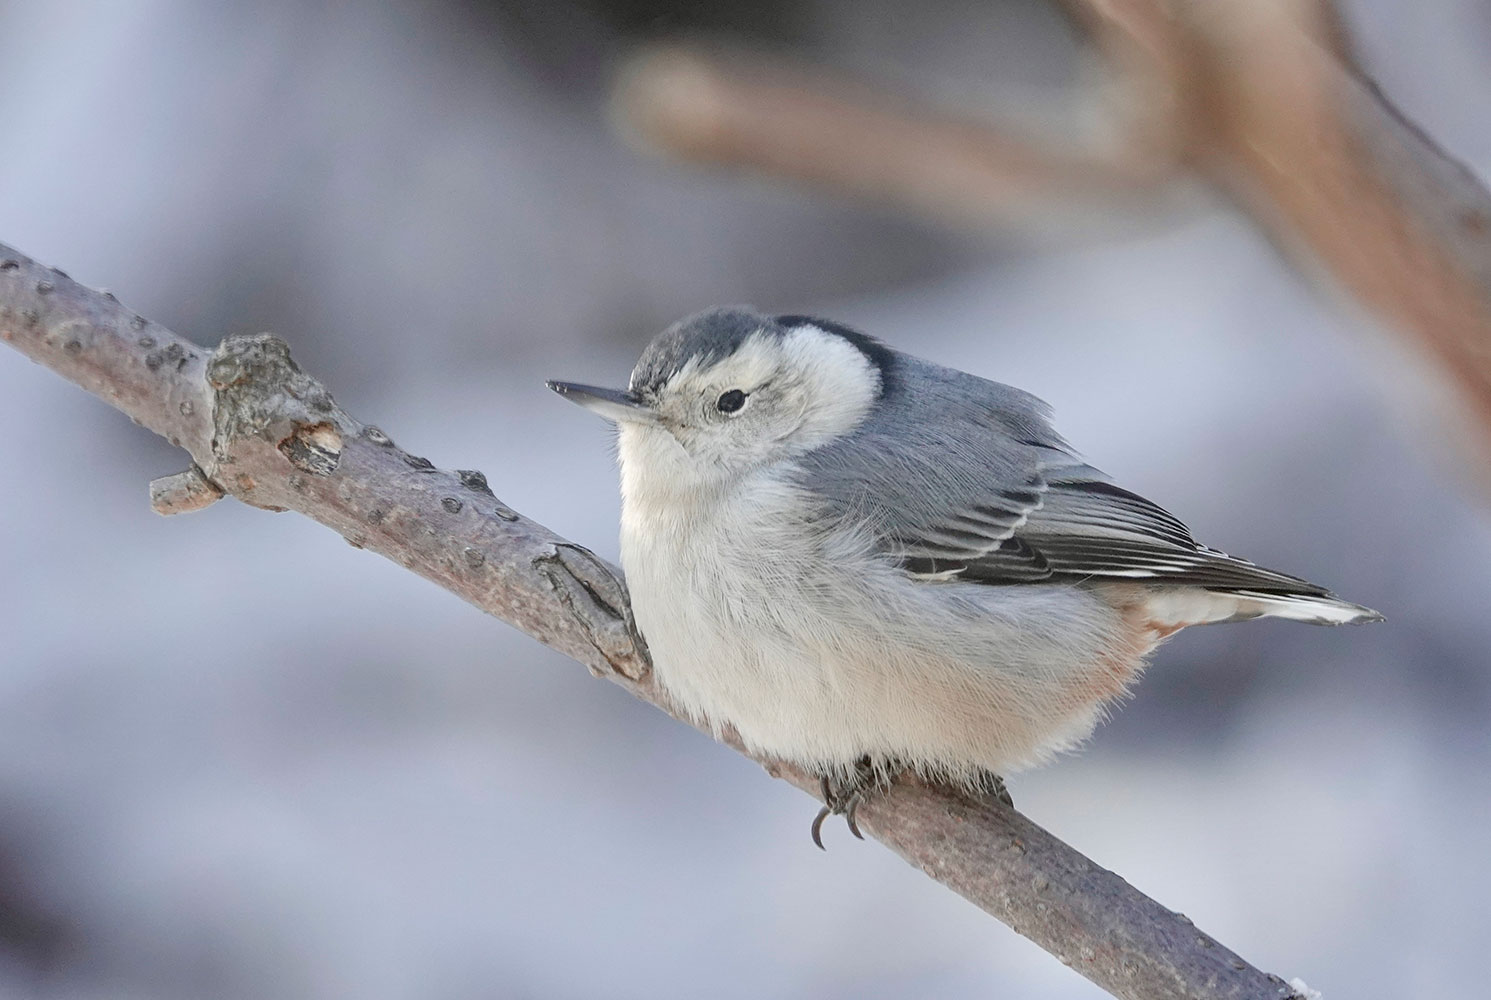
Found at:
(864, 563)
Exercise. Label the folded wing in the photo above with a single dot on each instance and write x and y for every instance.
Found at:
(1075, 528)
(961, 478)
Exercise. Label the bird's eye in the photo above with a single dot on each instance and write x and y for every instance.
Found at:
(731, 401)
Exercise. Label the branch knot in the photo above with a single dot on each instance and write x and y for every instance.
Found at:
(262, 395)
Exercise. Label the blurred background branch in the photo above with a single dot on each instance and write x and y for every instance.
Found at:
(756, 112)
(1260, 98)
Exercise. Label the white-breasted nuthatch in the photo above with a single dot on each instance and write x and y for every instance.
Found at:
(863, 562)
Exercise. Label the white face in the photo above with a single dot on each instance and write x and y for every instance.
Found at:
(774, 398)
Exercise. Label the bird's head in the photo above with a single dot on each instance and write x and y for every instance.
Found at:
(729, 390)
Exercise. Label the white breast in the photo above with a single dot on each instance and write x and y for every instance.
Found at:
(818, 652)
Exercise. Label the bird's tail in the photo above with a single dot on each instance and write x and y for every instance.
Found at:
(1316, 609)
(1169, 608)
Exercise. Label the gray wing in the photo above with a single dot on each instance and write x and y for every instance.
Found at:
(960, 478)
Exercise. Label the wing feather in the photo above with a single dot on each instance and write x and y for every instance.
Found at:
(1081, 528)
(963, 479)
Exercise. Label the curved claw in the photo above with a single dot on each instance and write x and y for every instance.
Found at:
(853, 808)
(845, 792)
(823, 814)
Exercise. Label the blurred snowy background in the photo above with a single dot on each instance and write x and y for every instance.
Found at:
(240, 759)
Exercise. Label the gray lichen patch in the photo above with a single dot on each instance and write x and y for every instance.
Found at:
(261, 392)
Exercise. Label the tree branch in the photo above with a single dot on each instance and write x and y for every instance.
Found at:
(259, 428)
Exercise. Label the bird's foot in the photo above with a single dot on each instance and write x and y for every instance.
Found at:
(991, 785)
(844, 790)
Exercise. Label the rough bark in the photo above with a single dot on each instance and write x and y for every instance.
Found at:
(262, 430)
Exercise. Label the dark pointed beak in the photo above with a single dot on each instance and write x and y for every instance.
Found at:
(615, 405)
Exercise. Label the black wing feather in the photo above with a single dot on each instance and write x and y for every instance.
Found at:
(1085, 529)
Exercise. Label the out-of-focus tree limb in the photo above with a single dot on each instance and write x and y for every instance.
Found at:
(1339, 177)
(769, 116)
(1262, 98)
(259, 428)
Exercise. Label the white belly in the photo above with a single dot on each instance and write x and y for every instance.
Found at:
(817, 652)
